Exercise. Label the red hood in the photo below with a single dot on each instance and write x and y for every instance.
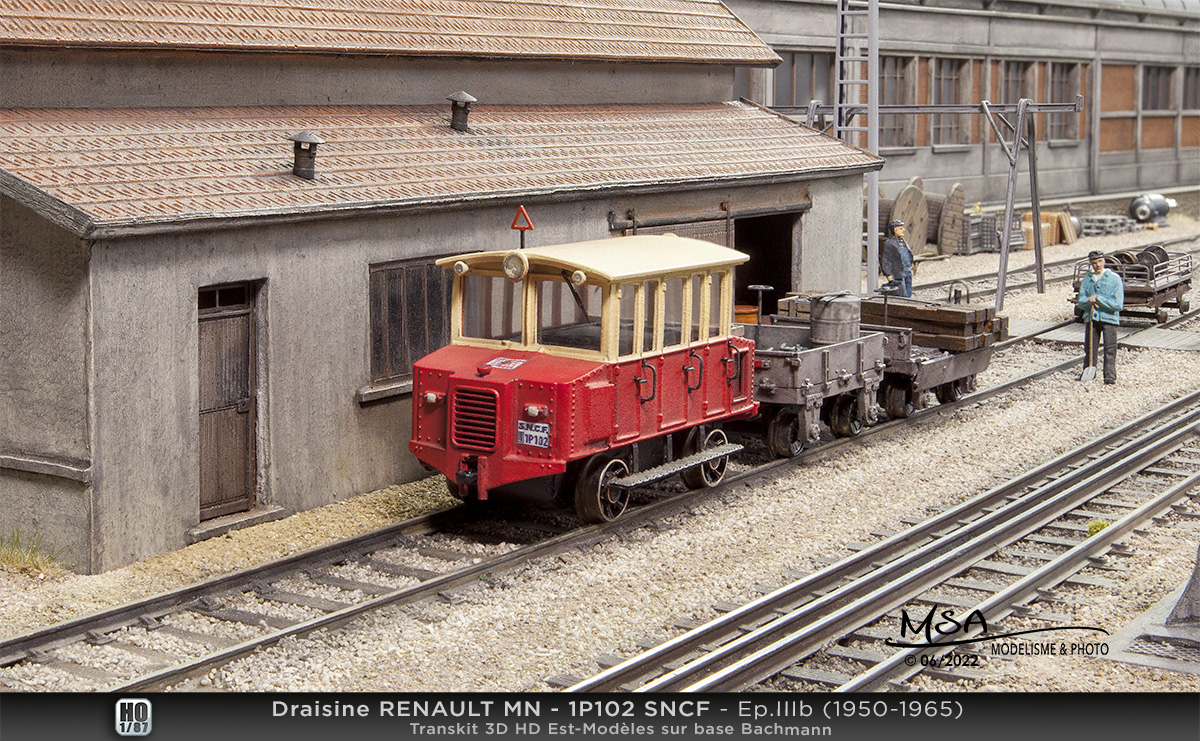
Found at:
(465, 362)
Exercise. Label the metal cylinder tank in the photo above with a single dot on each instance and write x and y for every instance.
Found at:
(835, 318)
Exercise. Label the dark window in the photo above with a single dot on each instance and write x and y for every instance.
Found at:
(1014, 82)
(894, 130)
(1191, 88)
(409, 316)
(221, 298)
(949, 79)
(802, 78)
(1156, 89)
(1064, 86)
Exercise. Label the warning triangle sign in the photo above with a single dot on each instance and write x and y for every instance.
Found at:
(521, 221)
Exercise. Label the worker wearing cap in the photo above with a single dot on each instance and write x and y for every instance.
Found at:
(896, 259)
(1101, 298)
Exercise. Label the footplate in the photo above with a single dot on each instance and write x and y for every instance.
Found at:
(650, 475)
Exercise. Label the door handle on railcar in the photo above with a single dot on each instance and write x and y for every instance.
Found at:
(689, 368)
(653, 388)
(735, 360)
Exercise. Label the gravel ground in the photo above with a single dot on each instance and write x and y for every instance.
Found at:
(559, 615)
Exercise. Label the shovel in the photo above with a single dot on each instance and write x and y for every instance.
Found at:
(1089, 351)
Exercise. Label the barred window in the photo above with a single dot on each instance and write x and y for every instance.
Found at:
(1014, 82)
(409, 316)
(802, 77)
(1156, 88)
(895, 130)
(949, 80)
(1191, 88)
(1064, 87)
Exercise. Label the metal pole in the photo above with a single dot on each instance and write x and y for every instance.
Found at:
(873, 144)
(1039, 266)
(1006, 227)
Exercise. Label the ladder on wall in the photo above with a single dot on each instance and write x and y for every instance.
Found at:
(856, 66)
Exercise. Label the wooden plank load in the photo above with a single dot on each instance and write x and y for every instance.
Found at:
(950, 327)
(954, 328)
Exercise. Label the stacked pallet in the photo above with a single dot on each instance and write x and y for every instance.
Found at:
(1056, 228)
(1101, 225)
(941, 326)
(982, 230)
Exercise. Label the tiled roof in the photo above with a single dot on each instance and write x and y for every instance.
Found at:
(113, 168)
(702, 31)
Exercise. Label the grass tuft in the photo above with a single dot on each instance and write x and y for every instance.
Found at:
(31, 557)
(1096, 526)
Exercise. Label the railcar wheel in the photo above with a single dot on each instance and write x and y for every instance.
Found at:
(1161, 315)
(595, 500)
(897, 400)
(1184, 306)
(706, 474)
(783, 434)
(952, 391)
(844, 420)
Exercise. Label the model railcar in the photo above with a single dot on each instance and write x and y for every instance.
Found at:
(592, 367)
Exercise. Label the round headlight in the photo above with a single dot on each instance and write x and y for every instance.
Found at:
(578, 277)
(460, 267)
(515, 266)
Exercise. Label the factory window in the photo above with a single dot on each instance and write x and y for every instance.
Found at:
(409, 315)
(950, 79)
(1064, 87)
(1156, 88)
(1191, 88)
(896, 130)
(801, 78)
(1015, 82)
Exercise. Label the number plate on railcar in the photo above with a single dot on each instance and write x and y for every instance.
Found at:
(534, 434)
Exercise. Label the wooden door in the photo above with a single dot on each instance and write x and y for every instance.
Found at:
(227, 400)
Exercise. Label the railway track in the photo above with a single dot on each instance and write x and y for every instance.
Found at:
(1060, 271)
(1037, 516)
(157, 642)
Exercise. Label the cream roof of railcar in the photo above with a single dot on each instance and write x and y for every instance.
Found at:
(616, 260)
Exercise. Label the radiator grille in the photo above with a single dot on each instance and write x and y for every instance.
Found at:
(474, 419)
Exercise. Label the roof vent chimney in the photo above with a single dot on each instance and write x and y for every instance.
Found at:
(460, 106)
(305, 163)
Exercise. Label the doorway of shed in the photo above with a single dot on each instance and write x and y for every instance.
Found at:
(228, 413)
(768, 241)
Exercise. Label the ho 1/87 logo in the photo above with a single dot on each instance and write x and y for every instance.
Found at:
(133, 717)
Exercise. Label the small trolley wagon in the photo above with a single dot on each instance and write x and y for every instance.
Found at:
(1155, 280)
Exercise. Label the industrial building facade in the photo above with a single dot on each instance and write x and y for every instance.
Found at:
(1136, 64)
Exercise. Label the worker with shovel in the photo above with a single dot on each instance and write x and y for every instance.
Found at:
(1101, 298)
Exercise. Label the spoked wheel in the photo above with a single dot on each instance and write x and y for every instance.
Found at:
(595, 500)
(783, 433)
(844, 419)
(710, 473)
(896, 400)
(951, 391)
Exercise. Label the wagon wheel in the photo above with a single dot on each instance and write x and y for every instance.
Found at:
(595, 500)
(896, 399)
(844, 419)
(1161, 315)
(783, 434)
(1184, 306)
(706, 474)
(951, 391)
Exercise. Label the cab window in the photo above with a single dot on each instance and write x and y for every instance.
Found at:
(697, 294)
(628, 301)
(673, 312)
(716, 301)
(569, 315)
(492, 307)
